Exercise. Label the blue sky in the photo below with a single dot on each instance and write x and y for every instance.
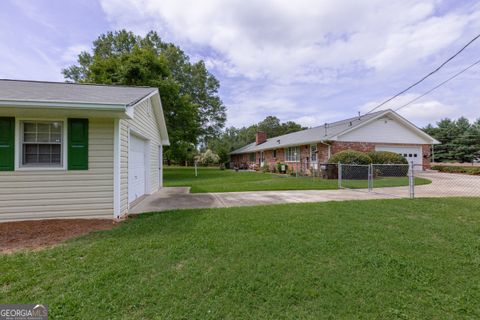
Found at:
(307, 61)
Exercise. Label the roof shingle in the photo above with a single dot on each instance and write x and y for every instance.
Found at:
(315, 134)
(40, 91)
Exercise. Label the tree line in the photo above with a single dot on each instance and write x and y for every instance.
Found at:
(234, 138)
(460, 140)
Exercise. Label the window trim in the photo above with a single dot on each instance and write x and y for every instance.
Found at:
(298, 153)
(313, 153)
(19, 145)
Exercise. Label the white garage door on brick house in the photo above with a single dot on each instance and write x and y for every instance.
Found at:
(411, 153)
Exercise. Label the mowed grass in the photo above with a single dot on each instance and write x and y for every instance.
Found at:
(216, 180)
(381, 259)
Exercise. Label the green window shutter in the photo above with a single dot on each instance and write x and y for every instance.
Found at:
(77, 144)
(7, 144)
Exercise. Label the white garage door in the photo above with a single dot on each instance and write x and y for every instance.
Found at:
(136, 168)
(412, 154)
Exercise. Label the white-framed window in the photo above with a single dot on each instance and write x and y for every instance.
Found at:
(313, 153)
(41, 143)
(292, 154)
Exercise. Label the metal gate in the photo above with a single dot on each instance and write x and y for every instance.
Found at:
(391, 179)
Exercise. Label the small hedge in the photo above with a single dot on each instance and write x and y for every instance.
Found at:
(475, 171)
(350, 157)
(387, 157)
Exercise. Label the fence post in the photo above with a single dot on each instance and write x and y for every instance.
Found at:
(370, 178)
(411, 181)
(339, 175)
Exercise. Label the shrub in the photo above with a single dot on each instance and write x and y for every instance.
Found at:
(456, 169)
(265, 167)
(350, 157)
(208, 157)
(387, 157)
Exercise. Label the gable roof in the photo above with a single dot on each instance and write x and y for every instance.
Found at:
(20, 92)
(119, 100)
(327, 132)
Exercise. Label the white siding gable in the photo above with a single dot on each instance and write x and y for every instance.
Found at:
(386, 130)
(145, 124)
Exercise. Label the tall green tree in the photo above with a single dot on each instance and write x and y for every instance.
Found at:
(460, 140)
(194, 113)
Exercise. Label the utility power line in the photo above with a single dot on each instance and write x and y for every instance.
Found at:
(425, 77)
(438, 85)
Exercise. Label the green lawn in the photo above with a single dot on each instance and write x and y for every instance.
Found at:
(216, 180)
(383, 259)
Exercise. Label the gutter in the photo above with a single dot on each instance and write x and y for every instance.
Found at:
(63, 104)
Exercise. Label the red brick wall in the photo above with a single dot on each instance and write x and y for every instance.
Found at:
(426, 150)
(338, 146)
(322, 156)
(260, 137)
(244, 158)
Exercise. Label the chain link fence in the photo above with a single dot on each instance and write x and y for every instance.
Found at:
(445, 184)
(395, 180)
(407, 181)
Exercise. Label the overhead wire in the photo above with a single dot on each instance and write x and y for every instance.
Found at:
(426, 76)
(438, 85)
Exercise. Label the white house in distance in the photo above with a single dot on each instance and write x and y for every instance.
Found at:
(77, 150)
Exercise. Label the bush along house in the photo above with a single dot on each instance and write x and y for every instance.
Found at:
(384, 130)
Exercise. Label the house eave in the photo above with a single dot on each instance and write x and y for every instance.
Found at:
(282, 146)
(62, 105)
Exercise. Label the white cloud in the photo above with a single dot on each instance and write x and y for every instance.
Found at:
(420, 112)
(70, 54)
(310, 60)
(282, 38)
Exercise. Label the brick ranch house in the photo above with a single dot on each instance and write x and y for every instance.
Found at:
(384, 130)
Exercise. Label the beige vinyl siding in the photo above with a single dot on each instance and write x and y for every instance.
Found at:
(62, 193)
(144, 122)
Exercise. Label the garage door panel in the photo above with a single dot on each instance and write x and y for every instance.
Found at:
(412, 154)
(136, 168)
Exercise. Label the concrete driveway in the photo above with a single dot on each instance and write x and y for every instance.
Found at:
(443, 185)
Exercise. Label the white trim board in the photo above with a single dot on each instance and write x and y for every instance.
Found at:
(116, 170)
(18, 146)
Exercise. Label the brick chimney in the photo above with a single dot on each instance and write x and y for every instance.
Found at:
(261, 137)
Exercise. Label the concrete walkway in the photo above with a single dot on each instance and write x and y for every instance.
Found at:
(443, 184)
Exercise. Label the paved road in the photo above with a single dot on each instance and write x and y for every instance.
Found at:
(443, 184)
